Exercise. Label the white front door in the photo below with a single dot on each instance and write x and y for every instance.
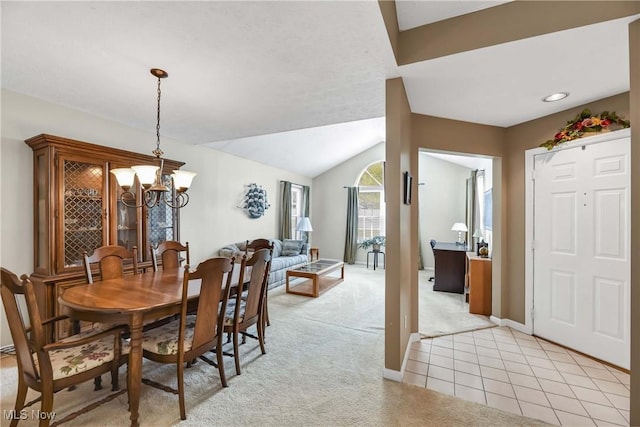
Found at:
(581, 269)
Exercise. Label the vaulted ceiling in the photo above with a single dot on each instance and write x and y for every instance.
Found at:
(298, 85)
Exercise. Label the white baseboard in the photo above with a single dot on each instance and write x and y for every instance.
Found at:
(512, 324)
(397, 376)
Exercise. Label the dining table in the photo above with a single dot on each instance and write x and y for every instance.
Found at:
(132, 300)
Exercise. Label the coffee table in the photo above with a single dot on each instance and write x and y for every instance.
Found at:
(317, 275)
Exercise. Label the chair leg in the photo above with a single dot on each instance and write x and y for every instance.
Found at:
(266, 309)
(97, 382)
(114, 377)
(223, 377)
(260, 328)
(236, 352)
(46, 406)
(183, 411)
(20, 398)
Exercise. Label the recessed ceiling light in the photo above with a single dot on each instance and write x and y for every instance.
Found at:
(555, 96)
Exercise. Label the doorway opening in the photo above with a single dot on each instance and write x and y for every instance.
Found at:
(455, 191)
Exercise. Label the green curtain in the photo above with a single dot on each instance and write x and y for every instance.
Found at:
(472, 208)
(351, 238)
(285, 210)
(306, 195)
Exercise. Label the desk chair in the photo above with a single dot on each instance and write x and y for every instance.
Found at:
(432, 242)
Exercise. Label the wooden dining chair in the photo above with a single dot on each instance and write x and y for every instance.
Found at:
(169, 252)
(110, 260)
(244, 312)
(191, 336)
(57, 365)
(253, 246)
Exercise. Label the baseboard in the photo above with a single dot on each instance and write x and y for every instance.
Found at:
(397, 376)
(512, 324)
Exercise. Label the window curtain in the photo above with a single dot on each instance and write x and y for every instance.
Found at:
(351, 238)
(306, 193)
(475, 204)
(472, 206)
(285, 210)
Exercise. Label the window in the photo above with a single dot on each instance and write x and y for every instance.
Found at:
(296, 209)
(371, 206)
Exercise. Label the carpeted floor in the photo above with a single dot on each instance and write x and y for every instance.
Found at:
(323, 367)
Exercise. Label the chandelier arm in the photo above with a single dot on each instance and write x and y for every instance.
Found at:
(131, 197)
(180, 201)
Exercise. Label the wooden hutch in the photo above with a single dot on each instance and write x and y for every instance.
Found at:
(77, 208)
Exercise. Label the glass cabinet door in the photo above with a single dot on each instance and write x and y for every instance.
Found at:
(127, 230)
(162, 219)
(83, 210)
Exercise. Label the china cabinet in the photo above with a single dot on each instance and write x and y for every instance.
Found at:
(77, 208)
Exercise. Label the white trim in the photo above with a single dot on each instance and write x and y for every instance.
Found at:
(397, 376)
(511, 324)
(529, 209)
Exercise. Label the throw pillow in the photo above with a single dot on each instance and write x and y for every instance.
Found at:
(277, 248)
(291, 247)
(229, 251)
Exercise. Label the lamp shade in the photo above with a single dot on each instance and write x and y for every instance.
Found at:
(146, 174)
(459, 226)
(124, 176)
(182, 180)
(478, 233)
(304, 224)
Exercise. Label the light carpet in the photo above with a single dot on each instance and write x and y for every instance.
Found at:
(323, 367)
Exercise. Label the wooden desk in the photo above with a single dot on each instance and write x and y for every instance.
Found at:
(479, 282)
(449, 267)
(130, 300)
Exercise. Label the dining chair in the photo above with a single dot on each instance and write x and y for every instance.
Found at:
(256, 245)
(243, 313)
(110, 260)
(169, 252)
(433, 242)
(191, 336)
(57, 365)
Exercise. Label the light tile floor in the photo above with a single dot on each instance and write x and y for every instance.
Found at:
(506, 369)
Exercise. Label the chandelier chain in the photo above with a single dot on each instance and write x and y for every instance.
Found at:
(158, 152)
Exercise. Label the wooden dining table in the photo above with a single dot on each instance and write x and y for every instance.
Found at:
(131, 300)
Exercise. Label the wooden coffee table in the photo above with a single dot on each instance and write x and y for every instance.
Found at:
(317, 275)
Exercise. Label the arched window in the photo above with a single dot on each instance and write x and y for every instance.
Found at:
(371, 209)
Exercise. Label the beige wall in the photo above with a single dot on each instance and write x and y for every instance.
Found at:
(401, 274)
(442, 201)
(210, 221)
(329, 210)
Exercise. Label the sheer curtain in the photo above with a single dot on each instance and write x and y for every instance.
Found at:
(285, 210)
(351, 238)
(475, 206)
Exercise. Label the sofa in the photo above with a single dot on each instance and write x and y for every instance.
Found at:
(287, 253)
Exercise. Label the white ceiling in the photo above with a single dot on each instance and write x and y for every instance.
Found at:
(276, 81)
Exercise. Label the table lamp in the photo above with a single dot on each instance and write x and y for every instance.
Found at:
(460, 228)
(304, 225)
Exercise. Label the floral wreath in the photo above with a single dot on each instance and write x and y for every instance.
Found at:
(584, 123)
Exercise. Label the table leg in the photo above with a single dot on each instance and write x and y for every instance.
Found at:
(134, 380)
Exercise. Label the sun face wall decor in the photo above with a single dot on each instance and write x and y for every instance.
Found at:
(255, 201)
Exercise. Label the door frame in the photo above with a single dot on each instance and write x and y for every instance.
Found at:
(529, 209)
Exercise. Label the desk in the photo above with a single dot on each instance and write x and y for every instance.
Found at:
(131, 300)
(450, 267)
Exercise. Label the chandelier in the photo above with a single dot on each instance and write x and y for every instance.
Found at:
(155, 190)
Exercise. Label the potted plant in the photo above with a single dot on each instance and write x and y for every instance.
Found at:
(374, 243)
